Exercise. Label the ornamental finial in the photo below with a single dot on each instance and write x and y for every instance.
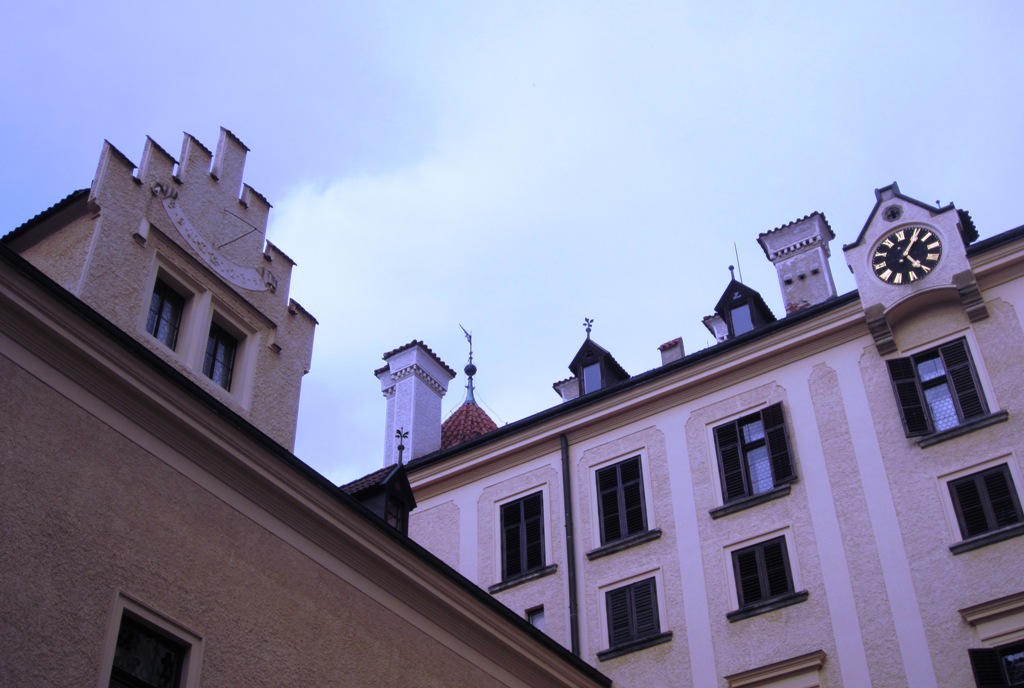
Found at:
(589, 324)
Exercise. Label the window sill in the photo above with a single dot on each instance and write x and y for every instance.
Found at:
(634, 646)
(523, 578)
(624, 543)
(989, 538)
(963, 429)
(767, 606)
(748, 502)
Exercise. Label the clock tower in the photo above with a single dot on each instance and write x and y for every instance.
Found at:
(908, 256)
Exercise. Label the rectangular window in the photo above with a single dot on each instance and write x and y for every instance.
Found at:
(753, 454)
(620, 490)
(998, 668)
(536, 618)
(632, 612)
(937, 389)
(220, 356)
(146, 658)
(985, 501)
(522, 536)
(591, 378)
(165, 309)
(762, 572)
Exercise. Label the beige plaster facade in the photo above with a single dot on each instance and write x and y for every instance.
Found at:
(133, 494)
(883, 587)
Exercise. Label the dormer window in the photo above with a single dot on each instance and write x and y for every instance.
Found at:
(593, 369)
(739, 311)
(591, 378)
(741, 319)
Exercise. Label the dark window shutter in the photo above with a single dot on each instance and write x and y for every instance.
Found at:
(1001, 497)
(621, 500)
(776, 568)
(967, 499)
(778, 443)
(608, 490)
(619, 631)
(533, 517)
(987, 671)
(512, 536)
(961, 376)
(748, 578)
(645, 605)
(727, 437)
(908, 394)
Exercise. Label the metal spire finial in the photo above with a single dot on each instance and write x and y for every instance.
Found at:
(732, 274)
(589, 324)
(401, 434)
(470, 369)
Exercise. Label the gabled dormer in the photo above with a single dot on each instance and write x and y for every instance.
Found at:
(740, 310)
(385, 492)
(593, 368)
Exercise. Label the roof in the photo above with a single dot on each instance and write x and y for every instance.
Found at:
(371, 480)
(594, 351)
(467, 423)
(54, 210)
(410, 345)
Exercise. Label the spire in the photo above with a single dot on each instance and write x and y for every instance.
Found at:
(470, 369)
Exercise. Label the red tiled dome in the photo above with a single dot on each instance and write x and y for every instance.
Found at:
(469, 421)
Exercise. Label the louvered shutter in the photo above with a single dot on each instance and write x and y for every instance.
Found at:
(734, 482)
(748, 578)
(778, 443)
(645, 606)
(512, 549)
(960, 371)
(608, 496)
(987, 671)
(967, 499)
(635, 520)
(619, 631)
(1005, 510)
(908, 395)
(776, 567)
(533, 523)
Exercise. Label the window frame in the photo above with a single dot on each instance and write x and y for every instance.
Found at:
(624, 531)
(742, 608)
(733, 461)
(961, 542)
(217, 338)
(130, 608)
(523, 528)
(161, 291)
(960, 375)
(638, 639)
(988, 668)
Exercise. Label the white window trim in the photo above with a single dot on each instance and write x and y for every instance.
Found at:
(998, 622)
(193, 657)
(645, 473)
(946, 499)
(543, 488)
(188, 289)
(973, 348)
(730, 572)
(799, 672)
(244, 367)
(659, 587)
(709, 433)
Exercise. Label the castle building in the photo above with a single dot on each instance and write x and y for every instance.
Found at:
(157, 530)
(831, 497)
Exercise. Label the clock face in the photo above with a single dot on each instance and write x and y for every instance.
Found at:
(906, 255)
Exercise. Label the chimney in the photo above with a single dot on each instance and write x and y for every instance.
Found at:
(800, 253)
(671, 351)
(413, 380)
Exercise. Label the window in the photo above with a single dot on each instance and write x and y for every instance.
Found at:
(937, 389)
(591, 378)
(632, 612)
(146, 658)
(522, 536)
(753, 454)
(620, 502)
(998, 668)
(220, 356)
(536, 617)
(165, 309)
(985, 501)
(762, 572)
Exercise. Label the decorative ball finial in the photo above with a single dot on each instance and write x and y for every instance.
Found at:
(732, 273)
(470, 369)
(400, 435)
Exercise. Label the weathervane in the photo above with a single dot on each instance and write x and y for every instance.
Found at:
(470, 369)
(589, 324)
(401, 434)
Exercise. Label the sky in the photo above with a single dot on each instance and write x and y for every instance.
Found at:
(516, 167)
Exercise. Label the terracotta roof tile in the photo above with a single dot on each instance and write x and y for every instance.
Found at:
(367, 481)
(410, 345)
(468, 422)
(669, 345)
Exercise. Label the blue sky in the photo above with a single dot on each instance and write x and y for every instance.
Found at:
(516, 167)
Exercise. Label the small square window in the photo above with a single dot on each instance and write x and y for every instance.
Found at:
(632, 612)
(620, 491)
(146, 658)
(219, 363)
(762, 572)
(937, 389)
(165, 309)
(522, 536)
(536, 618)
(985, 501)
(753, 454)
